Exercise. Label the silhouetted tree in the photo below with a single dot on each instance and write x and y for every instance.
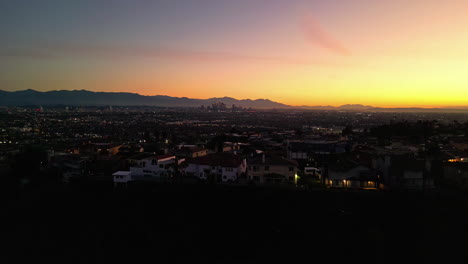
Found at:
(348, 130)
(217, 143)
(299, 132)
(234, 130)
(28, 162)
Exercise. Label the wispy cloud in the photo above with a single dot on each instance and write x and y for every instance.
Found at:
(51, 51)
(318, 35)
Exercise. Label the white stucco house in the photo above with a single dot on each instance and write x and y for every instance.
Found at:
(150, 168)
(121, 177)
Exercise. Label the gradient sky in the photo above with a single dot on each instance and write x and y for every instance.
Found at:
(301, 52)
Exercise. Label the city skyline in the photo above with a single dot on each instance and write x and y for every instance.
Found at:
(54, 98)
(385, 53)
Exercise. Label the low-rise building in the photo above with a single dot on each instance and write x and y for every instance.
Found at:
(149, 168)
(408, 173)
(272, 169)
(190, 152)
(351, 175)
(122, 177)
(219, 167)
(306, 149)
(313, 171)
(456, 173)
(159, 166)
(459, 143)
(231, 147)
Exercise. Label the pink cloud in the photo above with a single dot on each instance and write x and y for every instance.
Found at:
(316, 34)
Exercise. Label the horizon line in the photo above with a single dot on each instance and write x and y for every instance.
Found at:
(461, 107)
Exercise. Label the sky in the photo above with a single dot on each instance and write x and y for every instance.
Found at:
(388, 53)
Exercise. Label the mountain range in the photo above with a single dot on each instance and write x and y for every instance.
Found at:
(89, 98)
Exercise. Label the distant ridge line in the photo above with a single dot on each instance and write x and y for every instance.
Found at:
(90, 98)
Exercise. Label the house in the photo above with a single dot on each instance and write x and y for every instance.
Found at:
(409, 173)
(400, 168)
(308, 148)
(231, 147)
(456, 173)
(122, 177)
(103, 148)
(125, 150)
(159, 166)
(313, 171)
(297, 150)
(134, 159)
(70, 166)
(349, 174)
(149, 168)
(459, 143)
(190, 151)
(272, 169)
(219, 167)
(102, 168)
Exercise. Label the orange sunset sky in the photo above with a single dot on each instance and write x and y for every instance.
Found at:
(382, 53)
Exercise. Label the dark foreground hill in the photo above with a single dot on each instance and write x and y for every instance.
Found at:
(169, 223)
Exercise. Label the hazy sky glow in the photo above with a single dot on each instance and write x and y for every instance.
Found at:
(298, 52)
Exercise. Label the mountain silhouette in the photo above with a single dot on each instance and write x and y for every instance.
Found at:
(89, 98)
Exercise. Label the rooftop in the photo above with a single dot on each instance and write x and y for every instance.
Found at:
(192, 149)
(218, 159)
(272, 160)
(122, 173)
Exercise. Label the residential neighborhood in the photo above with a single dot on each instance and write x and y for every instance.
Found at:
(291, 149)
(161, 177)
(234, 131)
